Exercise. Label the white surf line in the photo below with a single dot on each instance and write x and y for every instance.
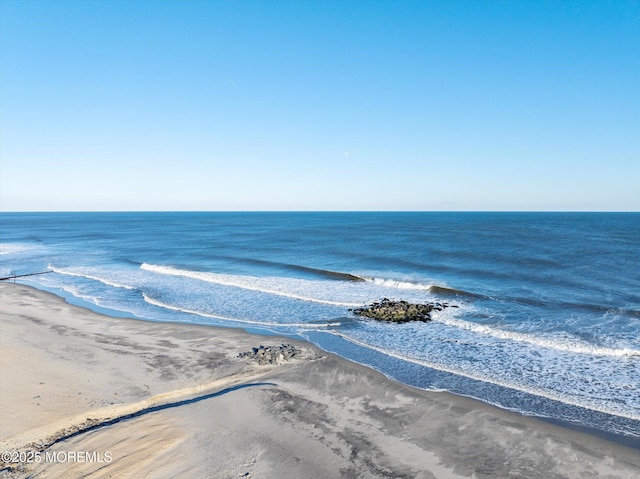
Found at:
(160, 304)
(10, 248)
(578, 347)
(477, 377)
(43, 437)
(227, 280)
(397, 284)
(88, 276)
(550, 343)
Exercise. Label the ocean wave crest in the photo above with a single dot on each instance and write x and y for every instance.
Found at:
(10, 248)
(392, 283)
(411, 285)
(553, 395)
(567, 345)
(83, 274)
(260, 284)
(280, 266)
(161, 304)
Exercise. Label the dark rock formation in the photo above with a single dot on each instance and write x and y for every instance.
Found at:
(264, 355)
(399, 311)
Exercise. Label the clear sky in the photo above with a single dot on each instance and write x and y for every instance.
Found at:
(319, 105)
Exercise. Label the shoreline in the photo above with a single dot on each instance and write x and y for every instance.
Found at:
(618, 438)
(170, 398)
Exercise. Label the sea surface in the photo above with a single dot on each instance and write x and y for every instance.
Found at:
(548, 316)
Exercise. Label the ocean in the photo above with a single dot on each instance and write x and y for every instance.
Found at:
(548, 316)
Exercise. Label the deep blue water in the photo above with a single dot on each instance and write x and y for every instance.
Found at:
(548, 322)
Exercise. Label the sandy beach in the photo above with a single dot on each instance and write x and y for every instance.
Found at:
(85, 395)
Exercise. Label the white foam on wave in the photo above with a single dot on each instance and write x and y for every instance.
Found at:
(10, 248)
(553, 395)
(161, 304)
(83, 274)
(392, 283)
(77, 293)
(266, 285)
(262, 285)
(567, 345)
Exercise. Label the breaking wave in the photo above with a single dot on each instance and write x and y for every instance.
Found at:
(569, 344)
(83, 274)
(252, 283)
(410, 285)
(160, 304)
(553, 395)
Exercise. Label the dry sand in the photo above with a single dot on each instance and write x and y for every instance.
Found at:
(85, 395)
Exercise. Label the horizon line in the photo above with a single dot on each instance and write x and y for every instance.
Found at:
(317, 211)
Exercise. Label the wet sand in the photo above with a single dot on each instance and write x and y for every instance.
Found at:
(86, 395)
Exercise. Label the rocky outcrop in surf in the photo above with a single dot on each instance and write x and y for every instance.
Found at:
(400, 311)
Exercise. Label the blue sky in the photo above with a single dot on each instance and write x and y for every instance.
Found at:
(319, 105)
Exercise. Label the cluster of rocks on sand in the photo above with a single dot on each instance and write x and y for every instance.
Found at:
(400, 311)
(265, 355)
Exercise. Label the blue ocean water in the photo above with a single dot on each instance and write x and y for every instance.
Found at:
(548, 317)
